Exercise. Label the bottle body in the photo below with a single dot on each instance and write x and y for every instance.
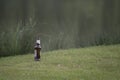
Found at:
(37, 50)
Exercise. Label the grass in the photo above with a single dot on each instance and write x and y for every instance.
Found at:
(92, 63)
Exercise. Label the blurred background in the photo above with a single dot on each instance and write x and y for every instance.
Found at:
(60, 24)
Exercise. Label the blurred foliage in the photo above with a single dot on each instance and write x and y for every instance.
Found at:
(60, 24)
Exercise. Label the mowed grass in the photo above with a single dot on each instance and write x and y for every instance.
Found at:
(92, 63)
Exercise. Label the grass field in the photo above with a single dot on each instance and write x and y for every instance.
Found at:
(92, 63)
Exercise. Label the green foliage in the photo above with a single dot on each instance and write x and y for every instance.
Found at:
(60, 24)
(17, 40)
(92, 63)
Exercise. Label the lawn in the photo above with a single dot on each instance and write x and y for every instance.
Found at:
(91, 63)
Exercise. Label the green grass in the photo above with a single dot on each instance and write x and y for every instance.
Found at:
(92, 63)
